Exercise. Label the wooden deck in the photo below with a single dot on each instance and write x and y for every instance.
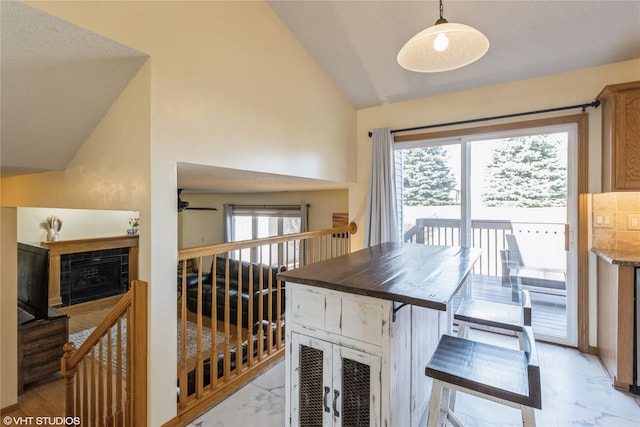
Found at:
(549, 312)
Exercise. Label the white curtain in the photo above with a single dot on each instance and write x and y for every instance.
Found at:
(227, 222)
(381, 223)
(304, 217)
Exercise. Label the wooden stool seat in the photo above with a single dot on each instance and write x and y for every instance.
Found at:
(503, 375)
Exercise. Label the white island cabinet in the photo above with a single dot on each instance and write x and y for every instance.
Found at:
(356, 348)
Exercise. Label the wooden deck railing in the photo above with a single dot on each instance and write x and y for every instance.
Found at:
(106, 378)
(488, 235)
(234, 305)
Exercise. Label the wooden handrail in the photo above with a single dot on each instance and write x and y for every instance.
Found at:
(200, 251)
(107, 323)
(91, 370)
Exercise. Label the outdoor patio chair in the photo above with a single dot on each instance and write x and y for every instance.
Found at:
(535, 279)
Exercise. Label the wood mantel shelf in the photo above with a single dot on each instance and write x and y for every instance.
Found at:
(63, 247)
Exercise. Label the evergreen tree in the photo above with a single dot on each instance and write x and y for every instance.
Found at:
(428, 180)
(526, 172)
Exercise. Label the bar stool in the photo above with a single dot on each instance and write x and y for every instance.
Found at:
(499, 374)
(494, 317)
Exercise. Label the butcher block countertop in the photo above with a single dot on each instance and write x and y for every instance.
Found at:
(426, 276)
(612, 256)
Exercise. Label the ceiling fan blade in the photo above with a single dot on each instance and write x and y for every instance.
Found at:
(183, 205)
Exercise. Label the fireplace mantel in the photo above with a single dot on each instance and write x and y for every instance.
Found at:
(63, 247)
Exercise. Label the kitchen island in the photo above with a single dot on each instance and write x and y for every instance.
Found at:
(362, 327)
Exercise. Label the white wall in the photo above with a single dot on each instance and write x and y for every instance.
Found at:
(110, 171)
(558, 90)
(76, 223)
(227, 85)
(198, 228)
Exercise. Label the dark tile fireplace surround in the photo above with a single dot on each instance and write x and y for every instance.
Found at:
(92, 275)
(83, 270)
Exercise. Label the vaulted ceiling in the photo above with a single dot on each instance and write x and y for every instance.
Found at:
(356, 42)
(58, 80)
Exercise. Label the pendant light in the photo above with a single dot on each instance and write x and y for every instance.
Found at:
(443, 47)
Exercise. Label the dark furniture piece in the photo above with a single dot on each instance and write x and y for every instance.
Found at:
(40, 346)
(219, 364)
(260, 289)
(510, 377)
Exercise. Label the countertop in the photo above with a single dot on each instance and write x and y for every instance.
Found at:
(612, 256)
(421, 275)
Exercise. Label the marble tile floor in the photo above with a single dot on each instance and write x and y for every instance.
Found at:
(575, 392)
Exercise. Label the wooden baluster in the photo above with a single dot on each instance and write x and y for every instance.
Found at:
(199, 366)
(85, 390)
(260, 332)
(119, 397)
(227, 322)
(78, 389)
(250, 314)
(93, 386)
(68, 374)
(109, 379)
(270, 306)
(239, 317)
(182, 374)
(100, 383)
(213, 361)
(129, 369)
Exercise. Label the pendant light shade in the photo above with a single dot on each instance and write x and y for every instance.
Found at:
(443, 47)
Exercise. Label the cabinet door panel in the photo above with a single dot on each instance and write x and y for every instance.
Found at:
(628, 140)
(356, 384)
(311, 382)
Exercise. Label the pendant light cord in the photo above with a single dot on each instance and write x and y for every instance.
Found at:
(441, 20)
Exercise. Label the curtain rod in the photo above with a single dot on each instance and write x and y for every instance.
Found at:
(273, 207)
(594, 104)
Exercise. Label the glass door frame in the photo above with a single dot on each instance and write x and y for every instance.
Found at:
(571, 219)
(579, 158)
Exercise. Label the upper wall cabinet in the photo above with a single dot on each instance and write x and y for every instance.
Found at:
(621, 137)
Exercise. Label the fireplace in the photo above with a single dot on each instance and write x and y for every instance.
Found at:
(126, 247)
(88, 276)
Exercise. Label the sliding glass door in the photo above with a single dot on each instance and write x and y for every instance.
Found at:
(514, 196)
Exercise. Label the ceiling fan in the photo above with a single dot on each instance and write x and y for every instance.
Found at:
(182, 205)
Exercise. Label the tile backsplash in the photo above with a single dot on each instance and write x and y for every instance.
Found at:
(616, 221)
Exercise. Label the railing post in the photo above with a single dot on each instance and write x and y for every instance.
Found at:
(68, 374)
(139, 350)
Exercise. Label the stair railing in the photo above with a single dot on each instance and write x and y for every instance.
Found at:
(106, 378)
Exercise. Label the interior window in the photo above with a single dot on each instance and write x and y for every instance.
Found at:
(257, 222)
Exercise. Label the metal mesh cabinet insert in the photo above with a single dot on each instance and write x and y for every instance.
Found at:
(333, 385)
